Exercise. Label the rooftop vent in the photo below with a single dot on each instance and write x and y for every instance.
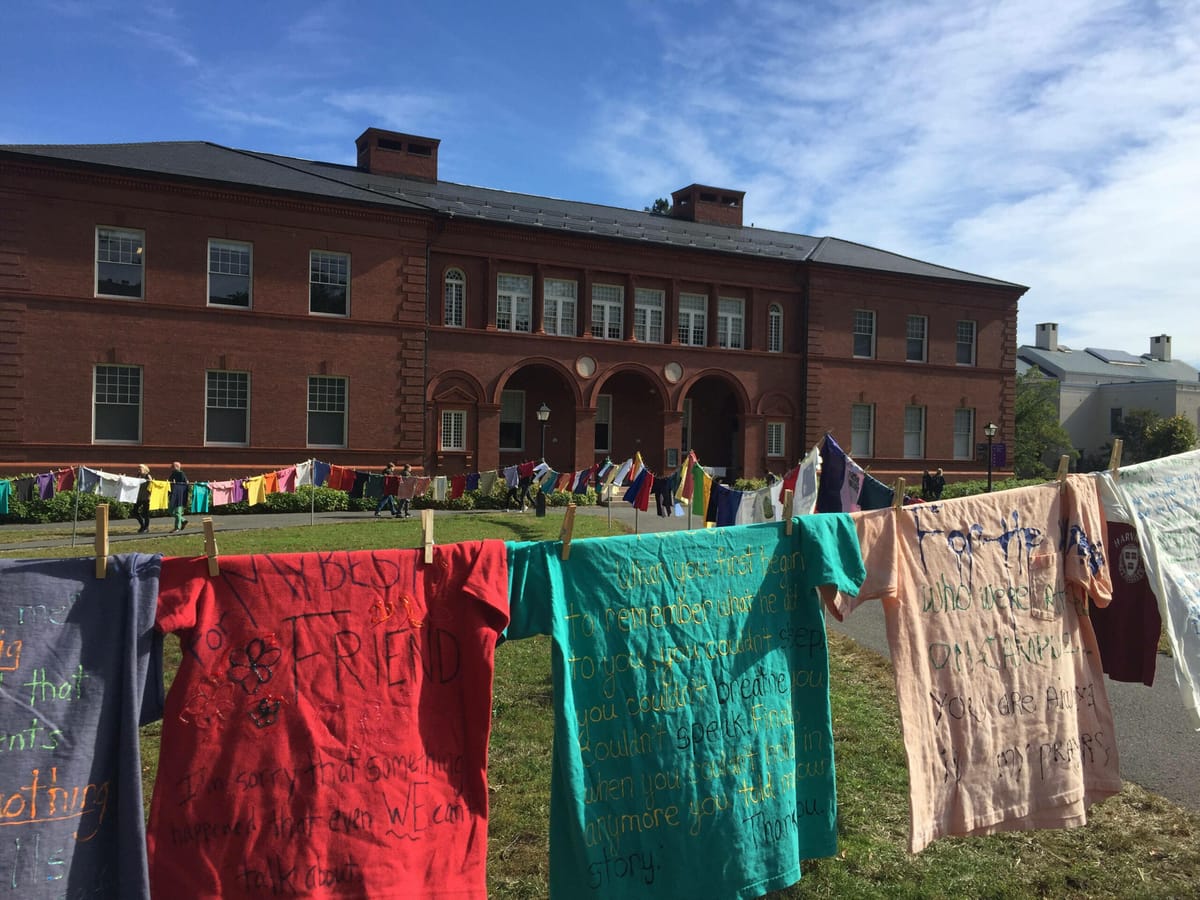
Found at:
(1047, 336)
(714, 206)
(1160, 348)
(391, 153)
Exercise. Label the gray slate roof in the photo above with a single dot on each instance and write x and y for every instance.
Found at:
(204, 161)
(1094, 364)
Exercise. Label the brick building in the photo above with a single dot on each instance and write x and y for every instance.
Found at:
(242, 311)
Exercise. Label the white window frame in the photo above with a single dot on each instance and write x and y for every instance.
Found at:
(226, 399)
(328, 267)
(123, 247)
(342, 401)
(964, 433)
(560, 300)
(776, 439)
(916, 328)
(608, 311)
(774, 328)
(649, 314)
(514, 302)
(693, 319)
(116, 395)
(731, 323)
(970, 343)
(515, 401)
(862, 440)
(864, 326)
(452, 437)
(604, 417)
(914, 432)
(454, 298)
(229, 265)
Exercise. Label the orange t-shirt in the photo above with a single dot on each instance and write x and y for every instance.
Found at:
(1003, 707)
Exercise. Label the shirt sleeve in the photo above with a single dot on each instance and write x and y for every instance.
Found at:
(1085, 566)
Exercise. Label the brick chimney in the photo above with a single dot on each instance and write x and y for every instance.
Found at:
(1047, 336)
(713, 206)
(391, 153)
(1160, 348)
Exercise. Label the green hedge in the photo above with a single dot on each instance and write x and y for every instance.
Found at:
(61, 508)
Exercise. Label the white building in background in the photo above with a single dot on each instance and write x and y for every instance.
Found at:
(1097, 387)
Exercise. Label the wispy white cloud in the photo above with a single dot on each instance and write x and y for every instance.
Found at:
(1052, 145)
(169, 44)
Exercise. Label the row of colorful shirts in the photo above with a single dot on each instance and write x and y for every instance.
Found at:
(327, 731)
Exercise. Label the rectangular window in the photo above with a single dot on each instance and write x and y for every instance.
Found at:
(454, 429)
(326, 411)
(731, 321)
(775, 441)
(964, 434)
(964, 346)
(227, 408)
(693, 320)
(914, 432)
(915, 332)
(864, 333)
(514, 302)
(228, 274)
(775, 329)
(558, 306)
(608, 311)
(329, 283)
(120, 261)
(603, 423)
(455, 309)
(862, 430)
(117, 405)
(648, 308)
(512, 420)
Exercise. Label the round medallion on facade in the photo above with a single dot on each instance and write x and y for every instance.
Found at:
(673, 371)
(585, 366)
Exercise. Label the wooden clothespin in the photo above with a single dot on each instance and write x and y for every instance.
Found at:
(898, 498)
(568, 529)
(1114, 461)
(101, 540)
(210, 546)
(427, 534)
(787, 512)
(1064, 465)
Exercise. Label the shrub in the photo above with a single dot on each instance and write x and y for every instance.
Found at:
(61, 508)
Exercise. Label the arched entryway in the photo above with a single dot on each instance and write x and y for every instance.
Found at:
(520, 435)
(629, 407)
(713, 409)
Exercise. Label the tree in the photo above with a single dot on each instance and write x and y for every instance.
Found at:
(1041, 438)
(1132, 431)
(661, 207)
(1166, 437)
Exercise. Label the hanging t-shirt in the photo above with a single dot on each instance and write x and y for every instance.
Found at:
(1163, 498)
(304, 473)
(255, 490)
(201, 497)
(64, 479)
(285, 480)
(1003, 706)
(5, 491)
(81, 665)
(46, 485)
(1128, 629)
(222, 492)
(320, 473)
(693, 752)
(327, 732)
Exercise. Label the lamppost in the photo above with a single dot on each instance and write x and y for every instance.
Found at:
(990, 430)
(543, 416)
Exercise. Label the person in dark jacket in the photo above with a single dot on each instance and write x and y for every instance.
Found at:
(387, 500)
(141, 506)
(179, 495)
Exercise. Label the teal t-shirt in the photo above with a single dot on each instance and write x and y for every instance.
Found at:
(693, 751)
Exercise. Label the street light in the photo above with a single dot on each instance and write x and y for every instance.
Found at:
(990, 430)
(543, 416)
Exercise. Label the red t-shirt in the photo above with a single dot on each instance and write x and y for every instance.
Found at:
(327, 733)
(1127, 630)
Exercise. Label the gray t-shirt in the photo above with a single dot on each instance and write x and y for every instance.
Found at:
(80, 669)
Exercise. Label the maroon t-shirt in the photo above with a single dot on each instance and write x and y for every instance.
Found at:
(327, 733)
(1127, 630)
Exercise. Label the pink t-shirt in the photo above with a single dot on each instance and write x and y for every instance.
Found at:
(1003, 707)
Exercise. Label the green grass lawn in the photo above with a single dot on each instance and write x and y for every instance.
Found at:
(1136, 844)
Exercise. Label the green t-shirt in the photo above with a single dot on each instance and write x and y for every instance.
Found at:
(693, 751)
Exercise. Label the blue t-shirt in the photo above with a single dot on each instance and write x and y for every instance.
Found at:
(80, 669)
(693, 750)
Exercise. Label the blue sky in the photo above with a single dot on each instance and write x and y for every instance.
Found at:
(1056, 145)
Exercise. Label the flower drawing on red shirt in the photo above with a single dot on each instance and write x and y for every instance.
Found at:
(266, 711)
(251, 668)
(210, 703)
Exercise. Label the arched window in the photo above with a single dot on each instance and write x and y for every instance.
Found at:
(775, 328)
(456, 289)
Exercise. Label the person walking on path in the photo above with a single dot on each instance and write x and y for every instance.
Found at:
(141, 506)
(179, 495)
(387, 500)
(405, 492)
